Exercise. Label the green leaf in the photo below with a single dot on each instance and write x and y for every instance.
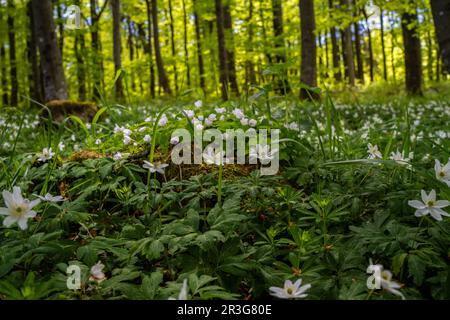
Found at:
(416, 268)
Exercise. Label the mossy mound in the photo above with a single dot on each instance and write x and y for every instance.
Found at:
(61, 109)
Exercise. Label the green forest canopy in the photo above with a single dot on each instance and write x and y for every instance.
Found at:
(261, 42)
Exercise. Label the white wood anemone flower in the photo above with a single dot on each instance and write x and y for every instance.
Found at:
(49, 198)
(17, 208)
(183, 295)
(155, 167)
(45, 155)
(442, 172)
(97, 272)
(429, 205)
(373, 152)
(290, 290)
(384, 278)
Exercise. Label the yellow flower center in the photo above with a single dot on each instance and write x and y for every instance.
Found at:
(431, 203)
(19, 211)
(289, 290)
(442, 174)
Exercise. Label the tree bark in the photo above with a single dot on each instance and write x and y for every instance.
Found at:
(12, 55)
(186, 52)
(55, 87)
(150, 49)
(172, 42)
(357, 32)
(441, 16)
(383, 46)
(201, 67)
(162, 76)
(308, 73)
(79, 48)
(34, 73)
(222, 50)
(413, 56)
(348, 49)
(250, 77)
(231, 61)
(335, 48)
(369, 38)
(60, 27)
(96, 47)
(283, 86)
(115, 7)
(131, 51)
(4, 79)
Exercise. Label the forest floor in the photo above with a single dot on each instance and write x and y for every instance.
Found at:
(362, 190)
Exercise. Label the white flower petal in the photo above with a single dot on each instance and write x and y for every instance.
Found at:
(442, 204)
(416, 204)
(23, 223)
(8, 197)
(9, 220)
(17, 195)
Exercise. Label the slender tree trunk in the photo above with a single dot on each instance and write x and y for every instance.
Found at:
(150, 50)
(413, 56)
(222, 50)
(394, 43)
(250, 77)
(231, 63)
(348, 49)
(335, 48)
(131, 51)
(309, 51)
(55, 87)
(441, 16)
(430, 56)
(283, 86)
(12, 55)
(34, 73)
(383, 46)
(369, 37)
(162, 76)
(359, 59)
(264, 33)
(96, 47)
(79, 49)
(117, 44)
(201, 68)
(4, 79)
(172, 40)
(186, 52)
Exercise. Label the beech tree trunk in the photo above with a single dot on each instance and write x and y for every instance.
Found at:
(12, 56)
(308, 73)
(115, 6)
(150, 50)
(370, 46)
(186, 52)
(172, 42)
(231, 63)
(198, 38)
(383, 46)
(162, 76)
(54, 82)
(413, 55)
(282, 86)
(441, 16)
(4, 79)
(222, 50)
